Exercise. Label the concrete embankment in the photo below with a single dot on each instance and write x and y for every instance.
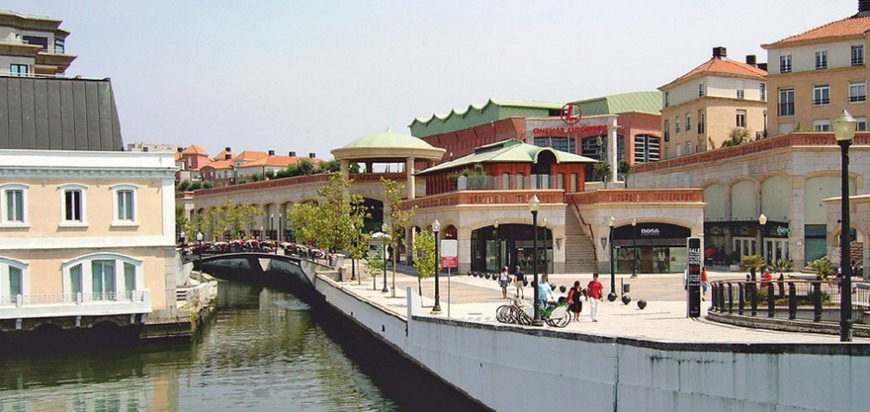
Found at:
(635, 361)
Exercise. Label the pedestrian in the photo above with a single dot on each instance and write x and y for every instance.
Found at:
(519, 281)
(765, 278)
(545, 291)
(503, 280)
(595, 290)
(704, 282)
(575, 301)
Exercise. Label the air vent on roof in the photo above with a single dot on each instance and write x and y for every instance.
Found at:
(291, 154)
(179, 149)
(762, 66)
(144, 148)
(227, 149)
(312, 155)
(750, 59)
(720, 52)
(271, 153)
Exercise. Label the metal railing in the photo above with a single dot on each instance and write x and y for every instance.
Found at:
(815, 300)
(20, 300)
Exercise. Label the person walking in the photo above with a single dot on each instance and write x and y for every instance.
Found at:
(503, 280)
(545, 291)
(595, 290)
(519, 281)
(575, 301)
(704, 282)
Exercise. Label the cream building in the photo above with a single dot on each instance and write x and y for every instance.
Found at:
(816, 74)
(701, 108)
(32, 45)
(86, 237)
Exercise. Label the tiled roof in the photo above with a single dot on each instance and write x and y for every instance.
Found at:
(195, 149)
(524, 104)
(222, 155)
(508, 151)
(219, 164)
(279, 161)
(718, 65)
(249, 155)
(641, 102)
(848, 27)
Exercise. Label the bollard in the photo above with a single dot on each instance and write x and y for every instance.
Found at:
(817, 301)
(714, 297)
(770, 300)
(741, 298)
(753, 298)
(792, 301)
(730, 298)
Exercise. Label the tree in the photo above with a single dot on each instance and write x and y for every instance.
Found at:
(333, 222)
(738, 135)
(181, 222)
(822, 267)
(601, 170)
(305, 167)
(396, 219)
(752, 263)
(424, 246)
(625, 170)
(375, 263)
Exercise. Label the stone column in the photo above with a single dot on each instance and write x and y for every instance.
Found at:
(611, 147)
(409, 178)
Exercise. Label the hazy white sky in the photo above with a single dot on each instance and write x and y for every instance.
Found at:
(311, 76)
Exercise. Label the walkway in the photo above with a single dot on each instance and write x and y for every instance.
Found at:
(664, 319)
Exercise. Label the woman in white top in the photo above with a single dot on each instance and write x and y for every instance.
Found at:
(503, 279)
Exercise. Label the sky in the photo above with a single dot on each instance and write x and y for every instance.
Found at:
(312, 76)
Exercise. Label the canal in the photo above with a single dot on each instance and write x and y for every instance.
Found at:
(264, 350)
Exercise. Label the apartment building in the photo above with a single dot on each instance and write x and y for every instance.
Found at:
(32, 45)
(816, 74)
(704, 107)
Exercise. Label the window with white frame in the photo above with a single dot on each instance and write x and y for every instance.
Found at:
(646, 149)
(861, 125)
(102, 277)
(73, 204)
(821, 126)
(124, 198)
(857, 55)
(740, 92)
(741, 118)
(857, 91)
(14, 280)
(18, 69)
(821, 95)
(786, 102)
(14, 204)
(821, 59)
(785, 63)
(688, 122)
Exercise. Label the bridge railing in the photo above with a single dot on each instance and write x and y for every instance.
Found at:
(791, 299)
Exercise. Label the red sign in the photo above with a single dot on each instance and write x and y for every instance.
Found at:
(571, 114)
(449, 262)
(558, 131)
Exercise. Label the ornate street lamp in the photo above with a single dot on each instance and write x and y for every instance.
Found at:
(762, 220)
(199, 241)
(534, 204)
(844, 131)
(634, 248)
(436, 227)
(497, 247)
(183, 238)
(612, 295)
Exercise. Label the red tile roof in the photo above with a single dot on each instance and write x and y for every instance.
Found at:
(218, 164)
(281, 161)
(249, 155)
(718, 65)
(855, 26)
(195, 149)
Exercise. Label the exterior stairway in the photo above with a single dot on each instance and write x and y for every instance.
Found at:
(579, 249)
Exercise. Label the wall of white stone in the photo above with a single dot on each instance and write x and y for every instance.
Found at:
(514, 368)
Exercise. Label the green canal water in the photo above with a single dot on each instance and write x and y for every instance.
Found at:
(263, 351)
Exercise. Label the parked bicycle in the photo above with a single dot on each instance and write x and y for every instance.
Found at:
(520, 313)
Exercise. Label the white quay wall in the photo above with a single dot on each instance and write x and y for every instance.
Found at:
(516, 369)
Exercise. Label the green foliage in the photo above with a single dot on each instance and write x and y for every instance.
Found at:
(625, 170)
(601, 170)
(226, 221)
(782, 265)
(738, 135)
(334, 222)
(181, 223)
(183, 186)
(195, 185)
(751, 262)
(822, 267)
(476, 177)
(424, 246)
(206, 185)
(375, 262)
(396, 218)
(331, 166)
(305, 167)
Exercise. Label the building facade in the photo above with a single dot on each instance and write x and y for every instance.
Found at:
(32, 45)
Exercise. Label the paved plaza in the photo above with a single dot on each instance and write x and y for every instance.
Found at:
(475, 299)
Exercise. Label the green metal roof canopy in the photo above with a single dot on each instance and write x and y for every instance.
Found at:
(508, 151)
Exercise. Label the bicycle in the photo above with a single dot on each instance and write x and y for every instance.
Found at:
(517, 312)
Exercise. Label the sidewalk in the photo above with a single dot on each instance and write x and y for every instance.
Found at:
(475, 299)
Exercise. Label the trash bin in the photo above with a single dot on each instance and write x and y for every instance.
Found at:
(626, 288)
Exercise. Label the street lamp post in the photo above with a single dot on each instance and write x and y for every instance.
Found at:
(183, 239)
(534, 203)
(612, 295)
(546, 266)
(762, 220)
(386, 237)
(497, 247)
(634, 248)
(353, 253)
(844, 131)
(436, 227)
(199, 241)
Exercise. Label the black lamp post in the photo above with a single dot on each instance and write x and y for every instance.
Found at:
(183, 239)
(634, 248)
(386, 238)
(353, 253)
(534, 203)
(612, 295)
(844, 131)
(436, 227)
(546, 266)
(497, 247)
(762, 220)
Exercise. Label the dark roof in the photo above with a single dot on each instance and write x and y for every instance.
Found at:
(58, 114)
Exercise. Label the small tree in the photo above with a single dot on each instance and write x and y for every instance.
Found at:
(625, 170)
(375, 263)
(601, 170)
(738, 135)
(752, 263)
(396, 219)
(822, 267)
(424, 245)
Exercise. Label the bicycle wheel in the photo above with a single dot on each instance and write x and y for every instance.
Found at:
(503, 314)
(560, 317)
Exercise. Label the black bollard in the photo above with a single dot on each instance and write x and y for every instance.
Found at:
(792, 301)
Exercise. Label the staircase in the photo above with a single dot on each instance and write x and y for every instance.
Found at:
(856, 251)
(579, 249)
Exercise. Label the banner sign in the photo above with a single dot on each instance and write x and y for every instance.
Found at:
(693, 277)
(449, 249)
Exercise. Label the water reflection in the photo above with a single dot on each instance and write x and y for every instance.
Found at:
(262, 351)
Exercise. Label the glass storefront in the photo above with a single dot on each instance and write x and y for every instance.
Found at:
(510, 245)
(650, 248)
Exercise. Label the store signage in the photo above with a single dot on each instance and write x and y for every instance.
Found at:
(449, 249)
(548, 131)
(693, 277)
(571, 114)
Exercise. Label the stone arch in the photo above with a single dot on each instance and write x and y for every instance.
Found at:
(744, 200)
(717, 207)
(776, 197)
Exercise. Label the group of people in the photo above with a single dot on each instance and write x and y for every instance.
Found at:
(593, 293)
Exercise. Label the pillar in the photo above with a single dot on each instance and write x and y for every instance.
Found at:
(409, 178)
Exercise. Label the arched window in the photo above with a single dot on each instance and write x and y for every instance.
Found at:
(102, 276)
(13, 205)
(14, 280)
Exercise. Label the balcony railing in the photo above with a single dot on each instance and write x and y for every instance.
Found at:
(79, 304)
(483, 198)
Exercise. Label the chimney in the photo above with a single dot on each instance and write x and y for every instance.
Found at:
(271, 152)
(144, 148)
(762, 66)
(228, 149)
(179, 149)
(720, 52)
(228, 156)
(863, 8)
(291, 154)
(750, 60)
(312, 155)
